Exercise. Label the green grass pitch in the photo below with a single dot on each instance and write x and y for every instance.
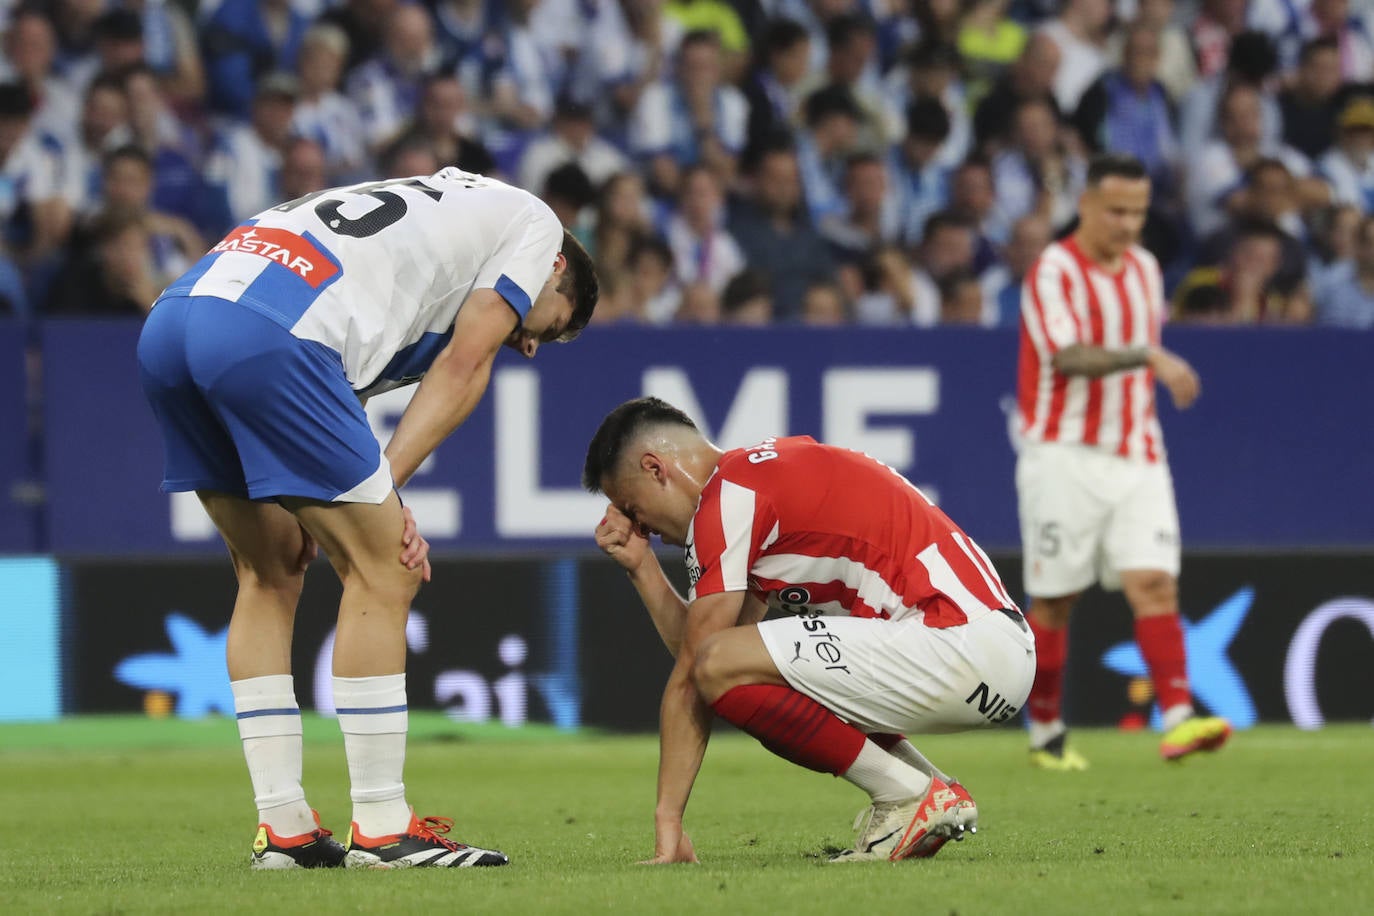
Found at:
(130, 815)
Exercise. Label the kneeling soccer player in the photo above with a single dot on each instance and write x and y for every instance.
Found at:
(898, 622)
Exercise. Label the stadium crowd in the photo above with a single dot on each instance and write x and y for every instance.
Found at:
(878, 162)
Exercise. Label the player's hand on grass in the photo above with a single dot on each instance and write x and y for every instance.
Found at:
(309, 551)
(1177, 376)
(415, 549)
(622, 540)
(682, 851)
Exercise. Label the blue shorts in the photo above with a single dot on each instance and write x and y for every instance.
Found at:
(247, 408)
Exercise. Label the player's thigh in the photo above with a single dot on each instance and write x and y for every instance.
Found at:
(1143, 531)
(732, 658)
(362, 540)
(1063, 515)
(264, 540)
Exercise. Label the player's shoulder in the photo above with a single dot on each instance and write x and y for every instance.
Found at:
(1144, 257)
(1054, 261)
(772, 462)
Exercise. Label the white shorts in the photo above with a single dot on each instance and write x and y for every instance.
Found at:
(1086, 515)
(903, 677)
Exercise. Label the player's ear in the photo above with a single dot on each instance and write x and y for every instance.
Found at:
(560, 264)
(653, 466)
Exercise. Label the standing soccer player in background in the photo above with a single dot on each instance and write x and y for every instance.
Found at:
(1095, 496)
(257, 363)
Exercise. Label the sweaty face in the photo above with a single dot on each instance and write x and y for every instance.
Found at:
(651, 503)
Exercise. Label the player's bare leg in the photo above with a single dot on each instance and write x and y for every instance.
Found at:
(913, 813)
(364, 545)
(1153, 597)
(270, 553)
(1049, 622)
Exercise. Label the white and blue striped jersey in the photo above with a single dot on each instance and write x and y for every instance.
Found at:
(378, 271)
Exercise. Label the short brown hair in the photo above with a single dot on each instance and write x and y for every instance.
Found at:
(579, 284)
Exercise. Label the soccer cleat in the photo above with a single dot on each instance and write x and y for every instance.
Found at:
(422, 845)
(1054, 755)
(316, 849)
(913, 829)
(1196, 733)
(966, 810)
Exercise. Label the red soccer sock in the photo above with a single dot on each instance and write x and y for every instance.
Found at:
(1161, 645)
(1051, 652)
(792, 725)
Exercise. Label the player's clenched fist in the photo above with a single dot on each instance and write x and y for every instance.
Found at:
(621, 539)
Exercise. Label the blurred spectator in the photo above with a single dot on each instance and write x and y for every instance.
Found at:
(1030, 235)
(364, 22)
(1080, 31)
(931, 71)
(114, 274)
(570, 194)
(1309, 105)
(823, 304)
(460, 28)
(559, 31)
(1031, 77)
(520, 85)
(989, 42)
(973, 199)
(323, 113)
(1215, 176)
(244, 170)
(386, 88)
(1292, 23)
(697, 118)
(824, 147)
(704, 251)
(408, 158)
(1269, 196)
(622, 216)
(891, 295)
(1331, 244)
(178, 186)
(747, 299)
(922, 181)
(75, 23)
(720, 19)
(571, 137)
(243, 40)
(630, 43)
(1241, 289)
(774, 91)
(171, 49)
(775, 232)
(1038, 173)
(304, 169)
(961, 299)
(127, 187)
(1251, 63)
(30, 52)
(442, 125)
(1216, 24)
(939, 20)
(700, 305)
(1128, 111)
(1349, 166)
(654, 290)
(103, 125)
(871, 216)
(34, 214)
(852, 63)
(1176, 68)
(1346, 300)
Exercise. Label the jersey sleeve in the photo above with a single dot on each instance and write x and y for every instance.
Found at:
(1046, 308)
(523, 259)
(728, 532)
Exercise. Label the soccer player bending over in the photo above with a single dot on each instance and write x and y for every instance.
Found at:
(896, 622)
(257, 363)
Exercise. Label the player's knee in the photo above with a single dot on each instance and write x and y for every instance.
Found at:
(1052, 613)
(388, 585)
(1151, 593)
(282, 583)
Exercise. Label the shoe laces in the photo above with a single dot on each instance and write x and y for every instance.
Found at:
(434, 828)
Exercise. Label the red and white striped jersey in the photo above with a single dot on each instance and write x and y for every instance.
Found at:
(812, 528)
(1067, 299)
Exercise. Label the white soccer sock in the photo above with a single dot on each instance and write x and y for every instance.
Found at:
(373, 718)
(1176, 715)
(884, 777)
(270, 727)
(1042, 733)
(906, 752)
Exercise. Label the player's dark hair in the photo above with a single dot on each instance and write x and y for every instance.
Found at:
(579, 284)
(619, 428)
(1114, 165)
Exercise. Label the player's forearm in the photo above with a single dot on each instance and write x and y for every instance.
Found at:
(684, 729)
(446, 396)
(1095, 362)
(666, 607)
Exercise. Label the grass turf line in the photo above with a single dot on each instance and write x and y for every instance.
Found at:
(1282, 821)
